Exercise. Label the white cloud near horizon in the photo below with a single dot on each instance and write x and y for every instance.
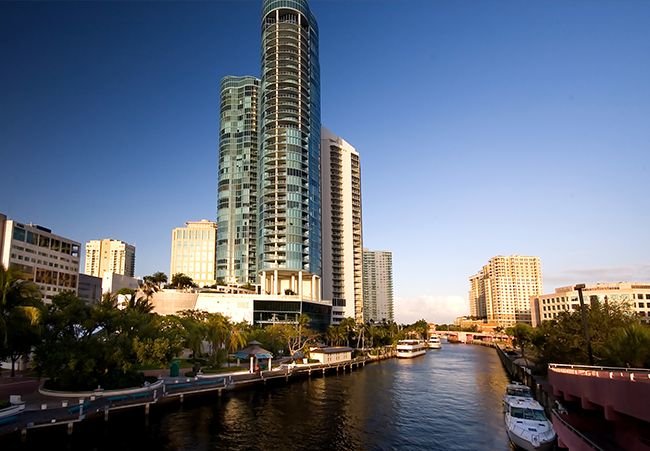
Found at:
(440, 309)
(630, 273)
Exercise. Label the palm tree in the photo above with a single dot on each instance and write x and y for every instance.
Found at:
(20, 300)
(237, 337)
(217, 327)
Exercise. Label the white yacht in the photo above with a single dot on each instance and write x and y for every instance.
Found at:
(434, 342)
(407, 349)
(527, 426)
(518, 389)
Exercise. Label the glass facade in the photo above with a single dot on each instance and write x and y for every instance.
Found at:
(289, 202)
(237, 186)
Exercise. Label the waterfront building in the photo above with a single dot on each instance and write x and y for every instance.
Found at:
(237, 186)
(503, 288)
(331, 354)
(285, 182)
(110, 255)
(477, 296)
(288, 198)
(255, 308)
(194, 250)
(377, 285)
(342, 231)
(90, 288)
(565, 299)
(51, 261)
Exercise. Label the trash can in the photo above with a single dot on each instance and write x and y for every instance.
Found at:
(174, 368)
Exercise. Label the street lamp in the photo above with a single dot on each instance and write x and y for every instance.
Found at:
(585, 328)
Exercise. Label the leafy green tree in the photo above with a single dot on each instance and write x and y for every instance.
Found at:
(20, 312)
(347, 328)
(335, 335)
(629, 346)
(296, 337)
(217, 327)
(193, 322)
(85, 346)
(181, 281)
(523, 335)
(562, 339)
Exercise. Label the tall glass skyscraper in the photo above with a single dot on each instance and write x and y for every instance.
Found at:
(289, 202)
(236, 192)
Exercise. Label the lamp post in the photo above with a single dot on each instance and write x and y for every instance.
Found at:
(585, 328)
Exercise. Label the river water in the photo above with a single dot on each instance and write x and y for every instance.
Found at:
(449, 399)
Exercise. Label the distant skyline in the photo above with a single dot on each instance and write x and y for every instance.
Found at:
(484, 128)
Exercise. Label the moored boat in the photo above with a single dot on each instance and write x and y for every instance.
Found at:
(407, 349)
(518, 389)
(434, 342)
(527, 426)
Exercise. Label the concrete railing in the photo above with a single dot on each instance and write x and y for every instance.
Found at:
(606, 372)
(614, 389)
(570, 437)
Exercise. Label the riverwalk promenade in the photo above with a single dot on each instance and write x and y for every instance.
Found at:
(37, 408)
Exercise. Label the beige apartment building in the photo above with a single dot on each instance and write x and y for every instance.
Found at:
(565, 299)
(377, 286)
(51, 261)
(109, 255)
(342, 231)
(194, 252)
(503, 289)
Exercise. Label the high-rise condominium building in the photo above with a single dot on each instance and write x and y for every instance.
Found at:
(109, 255)
(477, 296)
(377, 285)
(49, 260)
(288, 198)
(194, 249)
(636, 296)
(237, 189)
(503, 289)
(342, 234)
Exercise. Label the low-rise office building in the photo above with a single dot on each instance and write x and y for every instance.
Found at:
(565, 299)
(90, 288)
(51, 261)
(281, 299)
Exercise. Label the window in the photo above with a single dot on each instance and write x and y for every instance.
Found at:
(19, 234)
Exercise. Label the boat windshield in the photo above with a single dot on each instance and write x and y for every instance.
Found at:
(527, 414)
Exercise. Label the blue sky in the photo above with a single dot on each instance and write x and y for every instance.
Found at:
(484, 128)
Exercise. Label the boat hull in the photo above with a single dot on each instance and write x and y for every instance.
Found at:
(410, 354)
(522, 443)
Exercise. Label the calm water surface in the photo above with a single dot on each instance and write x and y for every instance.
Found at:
(449, 399)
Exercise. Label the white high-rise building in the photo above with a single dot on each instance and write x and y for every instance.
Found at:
(503, 289)
(51, 261)
(109, 255)
(342, 232)
(377, 285)
(194, 251)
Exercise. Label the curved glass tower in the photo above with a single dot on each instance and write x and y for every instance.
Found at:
(236, 192)
(289, 202)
